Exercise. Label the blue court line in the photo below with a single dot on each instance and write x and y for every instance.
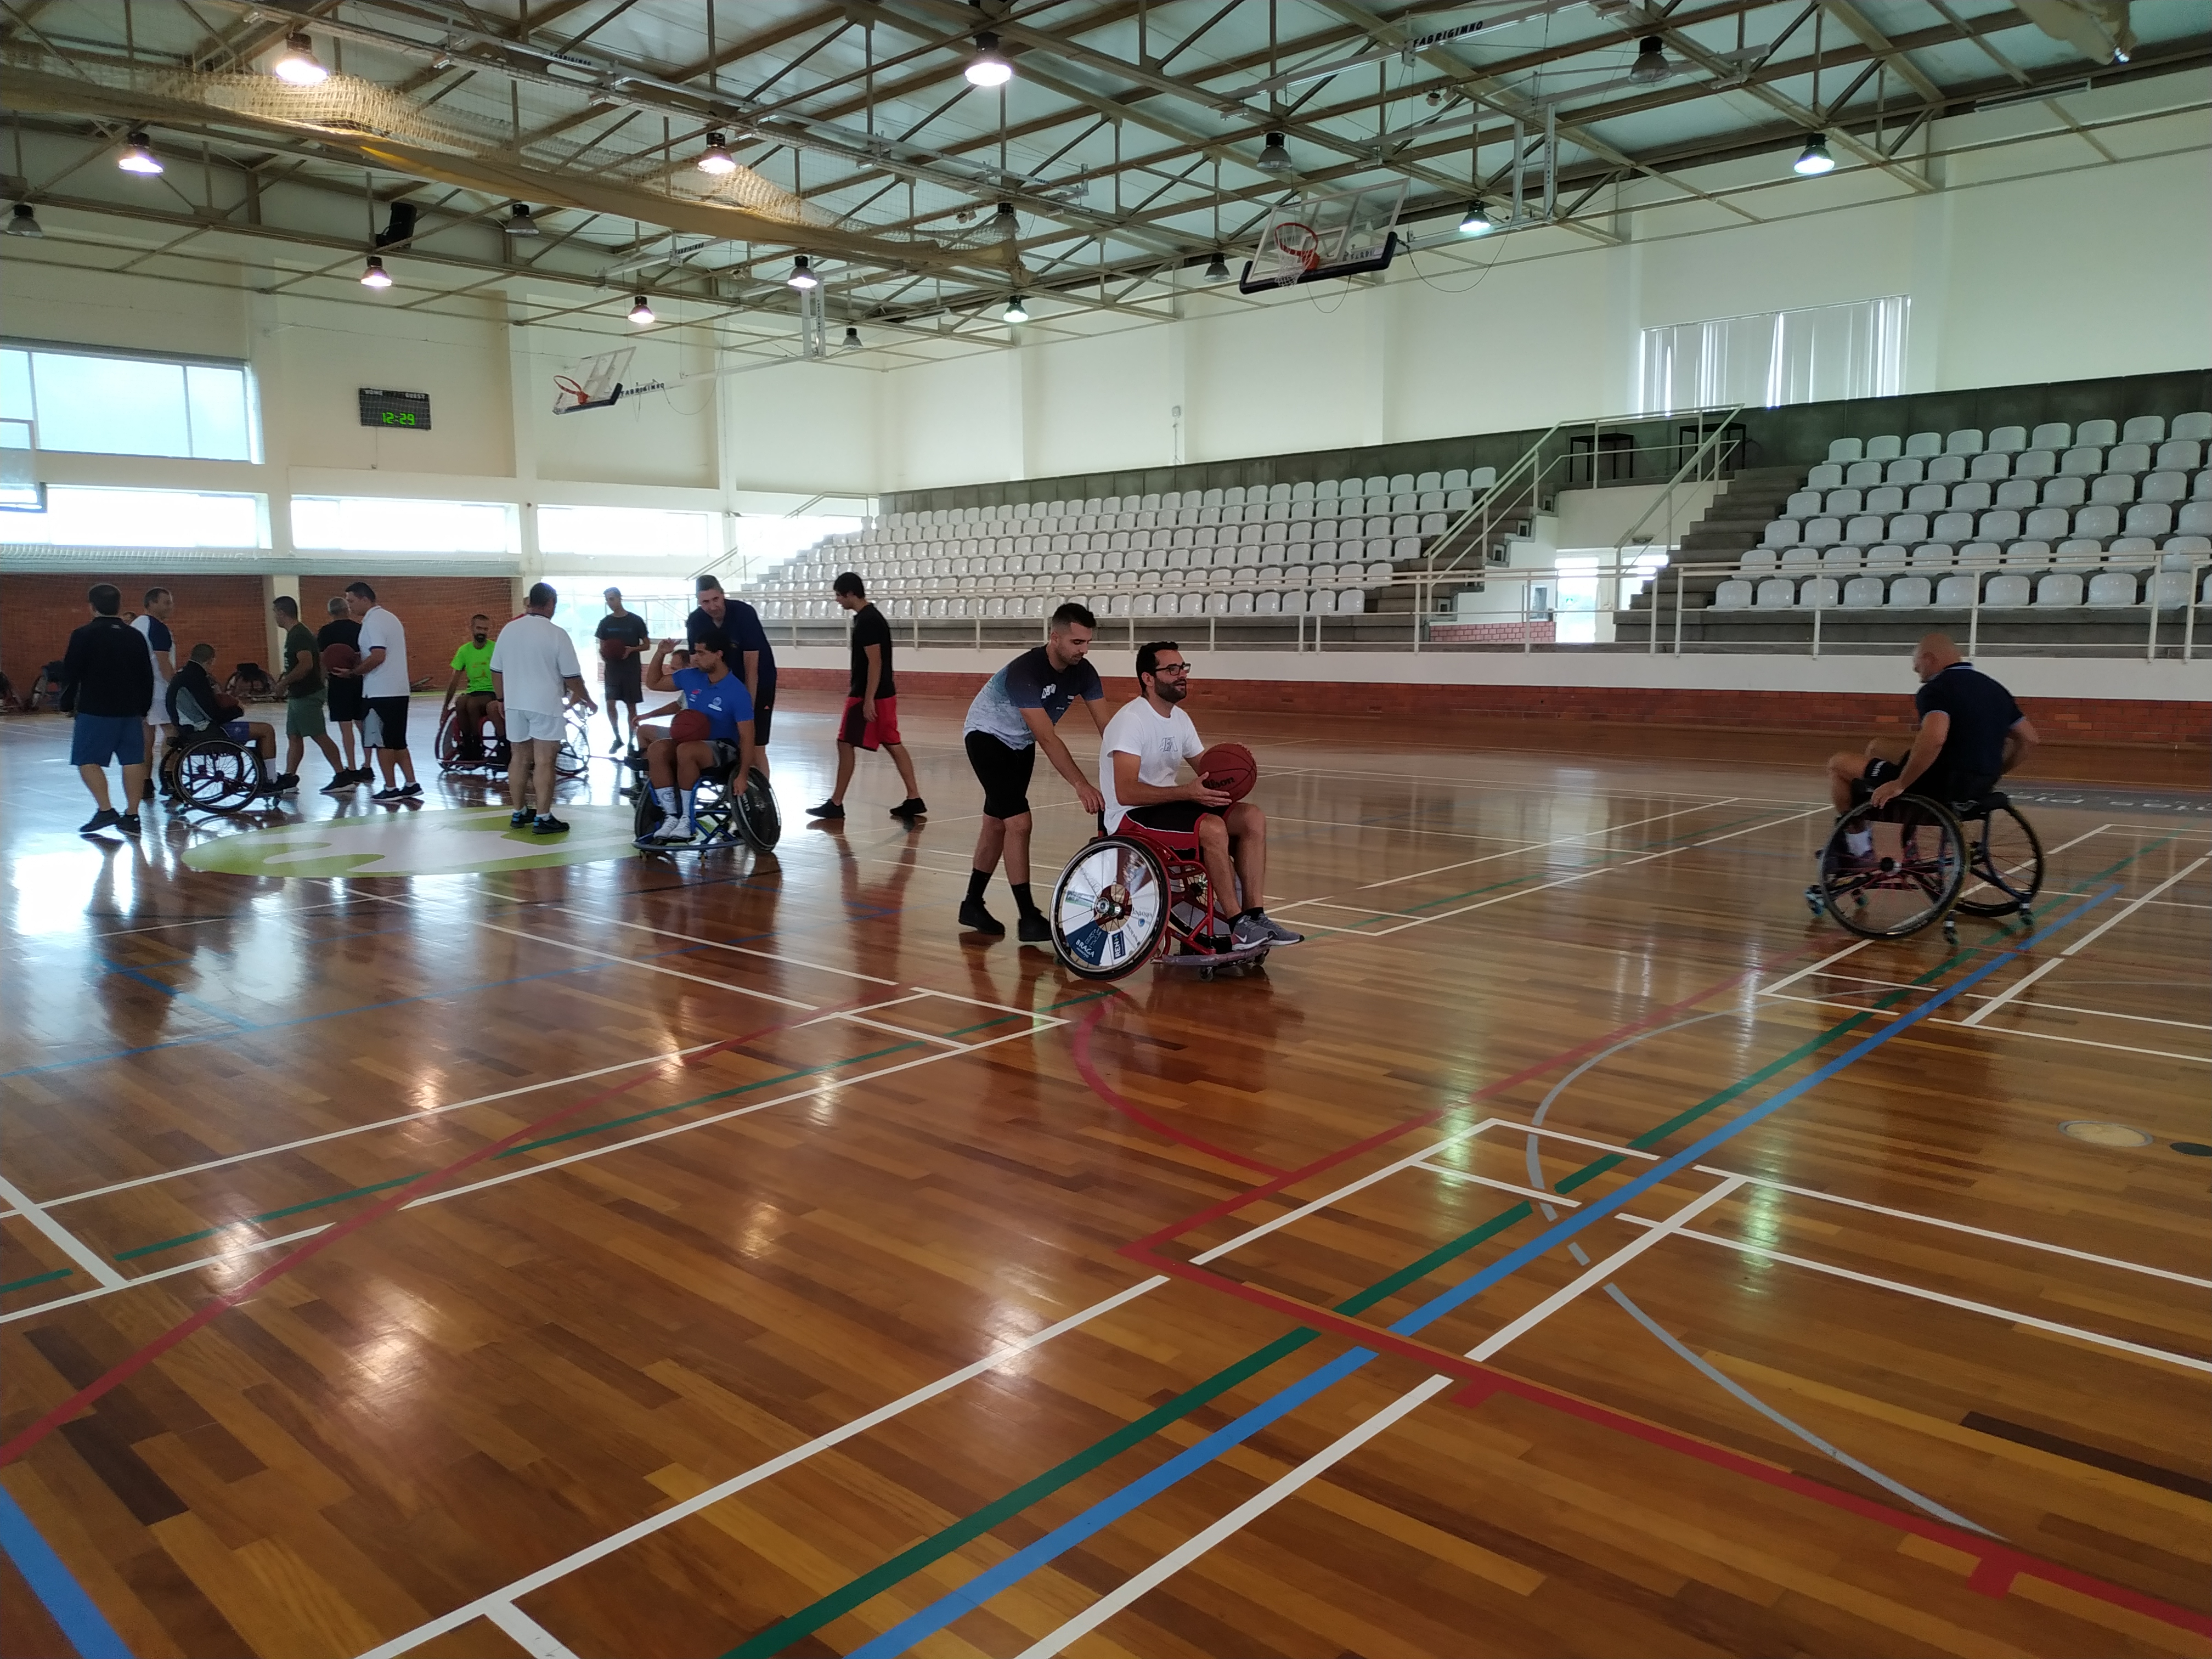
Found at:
(58, 1592)
(140, 976)
(971, 1596)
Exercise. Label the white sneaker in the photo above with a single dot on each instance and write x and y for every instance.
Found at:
(673, 832)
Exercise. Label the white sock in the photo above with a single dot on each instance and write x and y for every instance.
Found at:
(666, 797)
(690, 806)
(1861, 841)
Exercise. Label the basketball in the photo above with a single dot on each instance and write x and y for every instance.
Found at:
(689, 725)
(340, 657)
(612, 650)
(1230, 768)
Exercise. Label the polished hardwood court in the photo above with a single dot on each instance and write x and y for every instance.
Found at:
(1573, 1248)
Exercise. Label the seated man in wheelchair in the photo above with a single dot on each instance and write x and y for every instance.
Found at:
(1139, 757)
(727, 753)
(471, 688)
(201, 713)
(1971, 733)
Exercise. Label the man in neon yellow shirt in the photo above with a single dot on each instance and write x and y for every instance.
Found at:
(471, 683)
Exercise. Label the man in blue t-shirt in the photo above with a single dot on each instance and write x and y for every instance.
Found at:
(1971, 733)
(675, 763)
(751, 657)
(1012, 716)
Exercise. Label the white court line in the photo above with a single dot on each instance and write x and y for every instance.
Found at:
(898, 1030)
(1538, 788)
(2089, 938)
(1447, 1170)
(60, 1237)
(650, 967)
(1902, 1288)
(740, 949)
(1979, 996)
(1960, 1227)
(1563, 841)
(2006, 1030)
(1254, 1507)
(532, 1637)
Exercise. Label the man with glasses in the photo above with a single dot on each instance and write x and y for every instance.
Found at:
(1139, 756)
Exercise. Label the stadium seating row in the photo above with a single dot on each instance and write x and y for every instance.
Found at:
(2101, 520)
(2054, 589)
(812, 577)
(2071, 489)
(2011, 440)
(1221, 602)
(2125, 552)
(1442, 484)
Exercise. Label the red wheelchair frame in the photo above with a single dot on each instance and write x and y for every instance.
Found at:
(1141, 894)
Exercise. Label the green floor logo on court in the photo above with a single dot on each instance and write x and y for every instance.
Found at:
(415, 842)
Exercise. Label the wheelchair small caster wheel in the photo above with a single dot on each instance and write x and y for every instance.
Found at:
(1812, 900)
(1205, 974)
(2028, 918)
(1950, 931)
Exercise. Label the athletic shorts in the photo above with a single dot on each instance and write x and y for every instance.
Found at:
(96, 740)
(1004, 771)
(866, 733)
(303, 716)
(346, 700)
(625, 680)
(535, 726)
(726, 755)
(384, 723)
(1171, 817)
(1936, 783)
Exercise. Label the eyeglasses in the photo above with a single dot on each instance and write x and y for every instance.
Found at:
(1172, 668)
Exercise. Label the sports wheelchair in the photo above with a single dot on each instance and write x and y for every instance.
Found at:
(209, 769)
(723, 815)
(1142, 894)
(494, 753)
(1929, 860)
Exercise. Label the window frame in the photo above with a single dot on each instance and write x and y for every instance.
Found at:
(181, 359)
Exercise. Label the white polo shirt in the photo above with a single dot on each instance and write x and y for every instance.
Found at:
(389, 677)
(533, 656)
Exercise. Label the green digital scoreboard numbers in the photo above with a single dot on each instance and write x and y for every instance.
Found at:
(409, 411)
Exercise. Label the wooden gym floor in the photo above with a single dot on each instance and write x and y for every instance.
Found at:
(1573, 1249)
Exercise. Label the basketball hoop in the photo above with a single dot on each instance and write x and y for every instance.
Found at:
(1297, 251)
(596, 383)
(565, 387)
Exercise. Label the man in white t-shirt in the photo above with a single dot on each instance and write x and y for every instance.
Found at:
(535, 676)
(154, 623)
(382, 671)
(1139, 757)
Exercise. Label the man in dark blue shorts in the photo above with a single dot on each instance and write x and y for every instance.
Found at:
(1971, 733)
(1012, 717)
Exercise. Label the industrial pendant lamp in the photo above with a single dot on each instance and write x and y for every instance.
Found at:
(298, 66)
(1216, 269)
(641, 312)
(1650, 63)
(802, 275)
(1016, 311)
(23, 222)
(1815, 159)
(375, 276)
(518, 221)
(138, 156)
(852, 337)
(1478, 222)
(716, 159)
(988, 67)
(1275, 154)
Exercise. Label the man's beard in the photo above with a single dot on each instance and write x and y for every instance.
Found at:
(1171, 691)
(481, 638)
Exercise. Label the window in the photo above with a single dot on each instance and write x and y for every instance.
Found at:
(376, 523)
(111, 404)
(77, 517)
(693, 538)
(1855, 350)
(761, 541)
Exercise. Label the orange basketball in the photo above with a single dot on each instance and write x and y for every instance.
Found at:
(612, 650)
(1230, 768)
(691, 726)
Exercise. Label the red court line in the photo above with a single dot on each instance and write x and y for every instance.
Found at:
(208, 1311)
(1080, 1042)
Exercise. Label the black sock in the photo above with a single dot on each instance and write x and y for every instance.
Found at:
(977, 881)
(1252, 910)
(1022, 899)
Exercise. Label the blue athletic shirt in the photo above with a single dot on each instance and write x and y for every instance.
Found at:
(1030, 681)
(724, 702)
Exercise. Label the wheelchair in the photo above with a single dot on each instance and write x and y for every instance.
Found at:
(492, 752)
(1930, 859)
(210, 770)
(723, 816)
(1142, 894)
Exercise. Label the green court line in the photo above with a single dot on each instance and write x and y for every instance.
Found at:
(35, 1279)
(266, 1215)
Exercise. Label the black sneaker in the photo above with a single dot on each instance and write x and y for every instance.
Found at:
(522, 818)
(360, 775)
(910, 809)
(107, 818)
(129, 825)
(410, 791)
(550, 826)
(1034, 929)
(339, 783)
(829, 812)
(395, 793)
(976, 920)
(289, 784)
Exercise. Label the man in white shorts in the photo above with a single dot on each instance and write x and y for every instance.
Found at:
(535, 676)
(1143, 750)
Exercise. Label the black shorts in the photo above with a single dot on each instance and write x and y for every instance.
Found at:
(624, 681)
(1172, 817)
(385, 725)
(1936, 783)
(1004, 771)
(346, 702)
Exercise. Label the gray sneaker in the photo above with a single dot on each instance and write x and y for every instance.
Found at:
(1277, 931)
(1250, 932)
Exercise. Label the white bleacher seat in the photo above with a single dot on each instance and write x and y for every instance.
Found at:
(1435, 523)
(1888, 447)
(1981, 555)
(2018, 494)
(2008, 440)
(1998, 525)
(1992, 466)
(1932, 556)
(2116, 489)
(1911, 593)
(1952, 527)
(1910, 470)
(1862, 472)
(1301, 491)
(1884, 499)
(1401, 484)
(2164, 486)
(1405, 524)
(1278, 493)
(1826, 476)
(1321, 603)
(1819, 593)
(1375, 484)
(1970, 497)
(1379, 574)
(1324, 489)
(1758, 560)
(2010, 588)
(1886, 556)
(2200, 487)
(1295, 602)
(2196, 424)
(1433, 500)
(2180, 550)
(1782, 533)
(1958, 590)
(2168, 589)
(1947, 469)
(2181, 454)
(2128, 457)
(1776, 592)
(2079, 549)
(1866, 527)
(1863, 592)
(2098, 433)
(2052, 435)
(2131, 553)
(1240, 605)
(1846, 449)
(1322, 575)
(1842, 559)
(1454, 478)
(1924, 443)
(2099, 519)
(1429, 480)
(1968, 440)
(2035, 464)
(1821, 532)
(1927, 498)
(1483, 478)
(1798, 560)
(2195, 519)
(1349, 602)
(1806, 503)
(1734, 594)
(2112, 587)
(2059, 588)
(2068, 491)
(2028, 554)
(1268, 604)
(2144, 429)
(2149, 519)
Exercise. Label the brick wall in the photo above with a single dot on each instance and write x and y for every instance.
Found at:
(38, 612)
(433, 610)
(2133, 724)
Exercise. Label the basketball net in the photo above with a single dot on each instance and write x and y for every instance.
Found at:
(1297, 251)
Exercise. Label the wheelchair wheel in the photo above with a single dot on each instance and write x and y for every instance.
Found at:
(648, 814)
(759, 820)
(217, 777)
(449, 742)
(574, 757)
(2005, 870)
(1909, 880)
(1110, 911)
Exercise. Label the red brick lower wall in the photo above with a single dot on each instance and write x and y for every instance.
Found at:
(36, 614)
(2108, 721)
(433, 610)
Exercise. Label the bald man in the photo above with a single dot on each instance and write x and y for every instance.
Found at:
(1971, 733)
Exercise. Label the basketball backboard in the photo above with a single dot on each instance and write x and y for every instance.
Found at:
(593, 383)
(1326, 233)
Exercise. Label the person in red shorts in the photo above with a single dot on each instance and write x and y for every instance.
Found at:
(871, 719)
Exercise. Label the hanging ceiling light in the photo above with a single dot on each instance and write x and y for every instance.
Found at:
(1650, 63)
(138, 156)
(852, 337)
(640, 311)
(375, 276)
(518, 221)
(716, 158)
(23, 222)
(1274, 156)
(802, 275)
(1478, 222)
(1015, 311)
(298, 66)
(1815, 159)
(988, 67)
(1216, 269)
